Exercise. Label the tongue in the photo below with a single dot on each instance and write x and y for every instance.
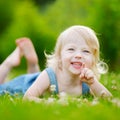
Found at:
(77, 66)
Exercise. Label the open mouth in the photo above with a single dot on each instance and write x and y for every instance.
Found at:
(77, 65)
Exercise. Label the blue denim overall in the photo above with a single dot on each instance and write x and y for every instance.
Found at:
(20, 84)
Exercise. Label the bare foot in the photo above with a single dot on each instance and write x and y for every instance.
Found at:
(28, 50)
(13, 59)
(29, 53)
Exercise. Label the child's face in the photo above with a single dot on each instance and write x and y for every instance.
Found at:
(76, 55)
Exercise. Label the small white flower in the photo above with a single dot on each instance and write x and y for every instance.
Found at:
(63, 101)
(63, 98)
(50, 100)
(6, 92)
(85, 100)
(114, 87)
(116, 101)
(95, 102)
(62, 95)
(53, 88)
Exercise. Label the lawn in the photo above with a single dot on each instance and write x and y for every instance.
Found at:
(66, 108)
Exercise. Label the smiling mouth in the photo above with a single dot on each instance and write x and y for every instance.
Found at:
(77, 65)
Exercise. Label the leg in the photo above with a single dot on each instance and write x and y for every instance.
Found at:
(11, 61)
(29, 53)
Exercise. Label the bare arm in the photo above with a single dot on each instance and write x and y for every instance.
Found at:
(37, 89)
(97, 89)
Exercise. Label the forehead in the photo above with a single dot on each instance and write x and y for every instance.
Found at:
(79, 43)
(73, 38)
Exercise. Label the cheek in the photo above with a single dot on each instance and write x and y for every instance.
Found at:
(90, 62)
(65, 60)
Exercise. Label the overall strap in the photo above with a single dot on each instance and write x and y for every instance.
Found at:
(53, 80)
(85, 89)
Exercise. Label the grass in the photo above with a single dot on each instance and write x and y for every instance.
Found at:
(67, 109)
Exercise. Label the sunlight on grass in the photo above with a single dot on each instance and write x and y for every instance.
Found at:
(65, 107)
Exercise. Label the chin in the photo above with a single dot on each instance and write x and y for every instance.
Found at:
(75, 72)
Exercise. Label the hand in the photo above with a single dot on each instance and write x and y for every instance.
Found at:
(87, 76)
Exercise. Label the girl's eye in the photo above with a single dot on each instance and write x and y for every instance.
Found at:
(86, 51)
(71, 49)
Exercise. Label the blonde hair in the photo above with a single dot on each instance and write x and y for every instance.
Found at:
(68, 35)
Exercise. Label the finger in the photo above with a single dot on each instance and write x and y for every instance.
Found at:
(91, 81)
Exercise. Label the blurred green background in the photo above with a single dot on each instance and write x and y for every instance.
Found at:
(43, 20)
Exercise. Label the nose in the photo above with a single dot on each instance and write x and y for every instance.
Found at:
(78, 55)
